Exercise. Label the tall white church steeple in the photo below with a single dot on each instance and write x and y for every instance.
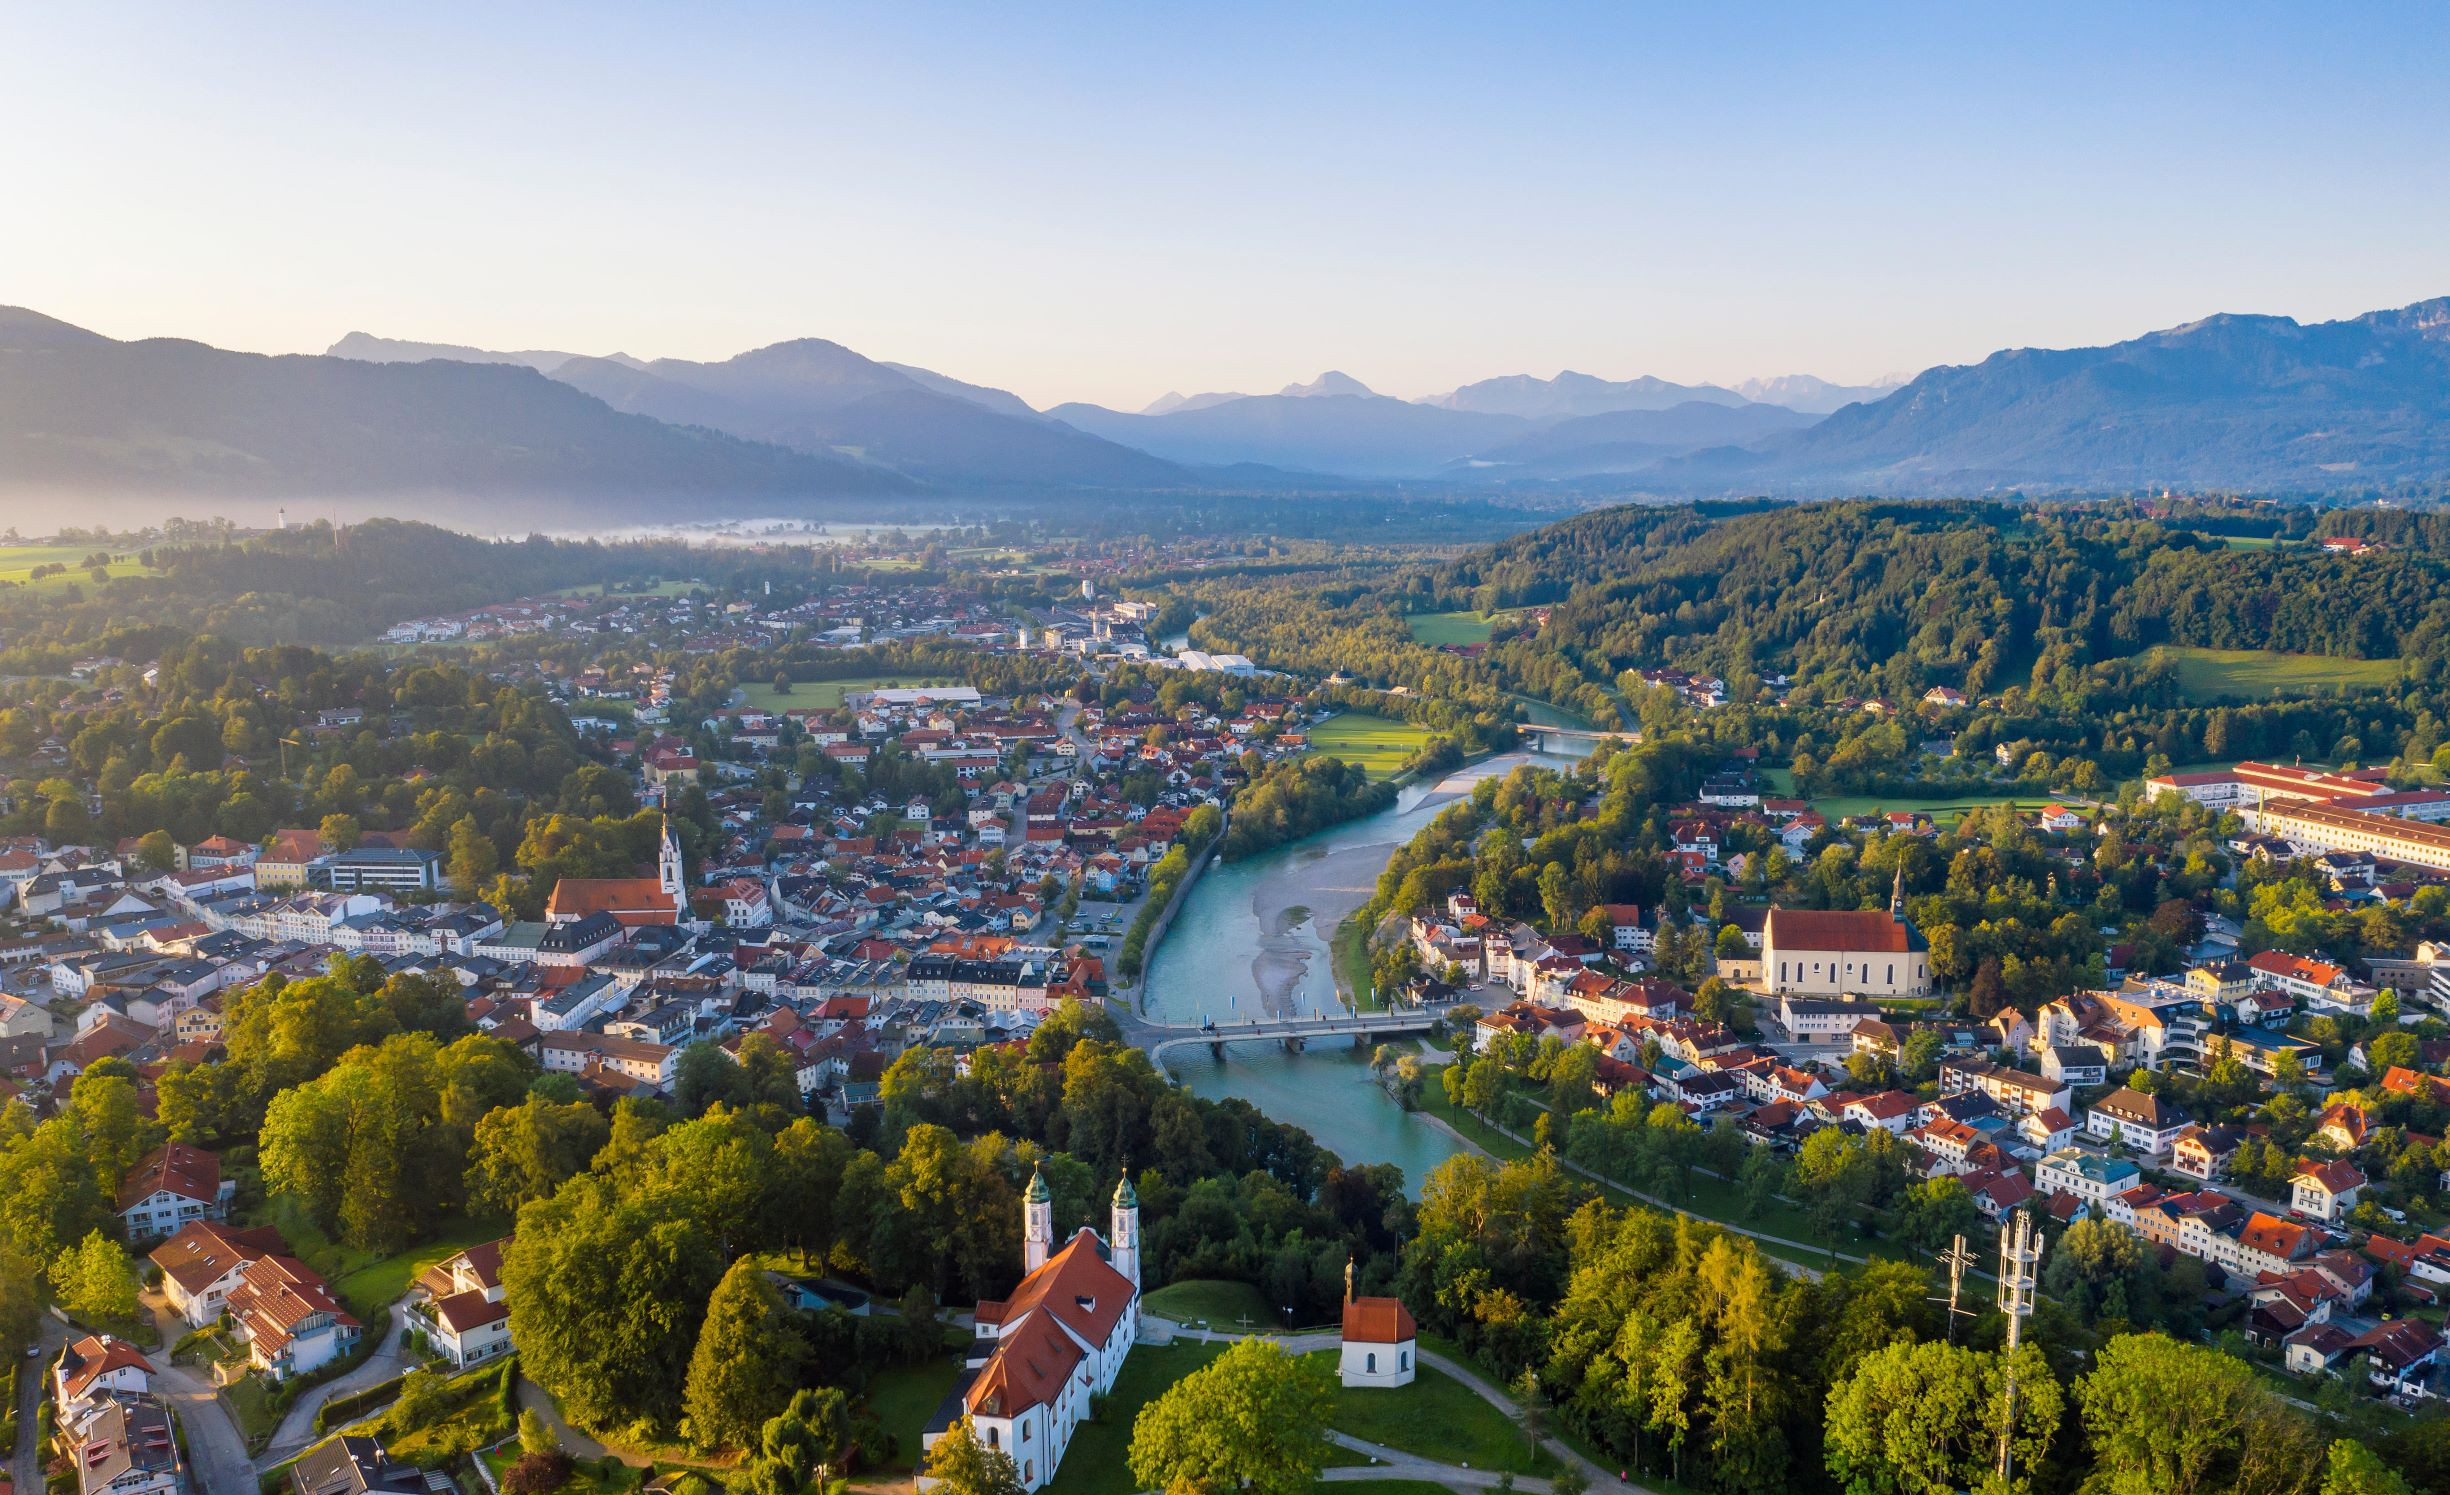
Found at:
(668, 866)
(1123, 1237)
(1037, 1223)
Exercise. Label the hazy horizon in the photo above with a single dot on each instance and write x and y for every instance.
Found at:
(1108, 202)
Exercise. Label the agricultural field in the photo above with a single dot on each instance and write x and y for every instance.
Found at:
(1380, 745)
(18, 562)
(680, 588)
(822, 695)
(1441, 629)
(2209, 675)
(1943, 808)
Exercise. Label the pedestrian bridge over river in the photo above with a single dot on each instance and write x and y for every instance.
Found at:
(1292, 1032)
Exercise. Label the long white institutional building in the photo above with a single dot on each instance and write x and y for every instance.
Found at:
(2321, 810)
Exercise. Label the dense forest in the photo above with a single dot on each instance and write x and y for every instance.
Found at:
(1898, 597)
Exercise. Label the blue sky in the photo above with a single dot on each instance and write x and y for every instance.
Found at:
(1107, 201)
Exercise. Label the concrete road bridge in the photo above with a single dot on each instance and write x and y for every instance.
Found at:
(1538, 735)
(1293, 1033)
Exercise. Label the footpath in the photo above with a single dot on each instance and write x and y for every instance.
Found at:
(1395, 1463)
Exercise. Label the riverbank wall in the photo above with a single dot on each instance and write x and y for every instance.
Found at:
(1138, 987)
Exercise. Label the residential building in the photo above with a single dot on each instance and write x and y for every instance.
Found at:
(128, 1447)
(288, 1319)
(353, 1464)
(94, 1369)
(2146, 1123)
(463, 1307)
(2326, 1191)
(203, 1262)
(2018, 1091)
(173, 1185)
(2088, 1176)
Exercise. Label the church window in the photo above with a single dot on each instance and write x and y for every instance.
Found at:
(1372, 1366)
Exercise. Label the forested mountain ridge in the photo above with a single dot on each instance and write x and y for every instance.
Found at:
(1898, 597)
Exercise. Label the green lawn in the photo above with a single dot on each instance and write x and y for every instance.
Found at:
(1938, 807)
(627, 589)
(1099, 1460)
(373, 1288)
(1351, 955)
(369, 1283)
(1381, 746)
(1436, 1417)
(1440, 629)
(1220, 1305)
(16, 561)
(822, 695)
(2209, 675)
(250, 1403)
(905, 1397)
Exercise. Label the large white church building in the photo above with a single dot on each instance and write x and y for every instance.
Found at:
(1057, 1341)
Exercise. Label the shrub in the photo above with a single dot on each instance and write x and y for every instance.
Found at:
(423, 1402)
(537, 1473)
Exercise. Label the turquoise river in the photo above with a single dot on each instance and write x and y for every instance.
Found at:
(1252, 938)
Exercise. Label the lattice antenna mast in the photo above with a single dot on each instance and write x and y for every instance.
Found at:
(2020, 1258)
(1956, 1259)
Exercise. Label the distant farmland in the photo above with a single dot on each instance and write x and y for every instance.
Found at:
(1379, 745)
(2209, 675)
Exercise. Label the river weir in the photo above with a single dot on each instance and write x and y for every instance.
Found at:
(1251, 940)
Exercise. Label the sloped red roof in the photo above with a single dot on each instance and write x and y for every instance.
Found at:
(189, 1172)
(1870, 931)
(1377, 1321)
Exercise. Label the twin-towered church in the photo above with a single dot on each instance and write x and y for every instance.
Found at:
(1057, 1341)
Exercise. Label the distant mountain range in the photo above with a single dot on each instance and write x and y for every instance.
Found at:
(1622, 441)
(88, 415)
(819, 397)
(2247, 402)
(2241, 402)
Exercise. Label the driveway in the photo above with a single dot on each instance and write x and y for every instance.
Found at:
(297, 1430)
(214, 1446)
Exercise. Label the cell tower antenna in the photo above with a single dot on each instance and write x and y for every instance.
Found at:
(2020, 1257)
(1956, 1259)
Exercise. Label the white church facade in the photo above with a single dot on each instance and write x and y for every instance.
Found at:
(1059, 1340)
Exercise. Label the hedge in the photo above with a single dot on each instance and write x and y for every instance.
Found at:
(342, 1409)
